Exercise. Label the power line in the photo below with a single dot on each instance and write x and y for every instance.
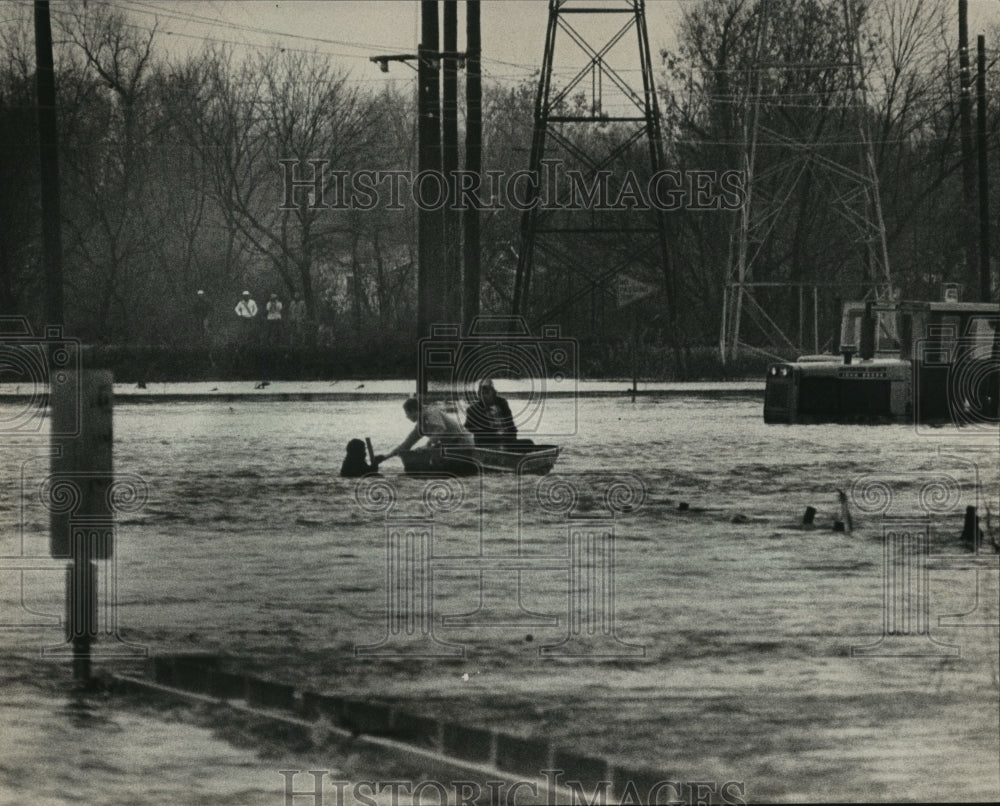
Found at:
(186, 16)
(183, 16)
(271, 47)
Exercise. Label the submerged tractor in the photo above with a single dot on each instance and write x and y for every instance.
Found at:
(915, 362)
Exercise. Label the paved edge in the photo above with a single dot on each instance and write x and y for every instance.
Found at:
(442, 765)
(486, 751)
(234, 397)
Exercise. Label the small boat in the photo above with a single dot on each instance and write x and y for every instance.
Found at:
(470, 460)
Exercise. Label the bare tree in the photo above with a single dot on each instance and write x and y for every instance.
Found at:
(18, 176)
(275, 107)
(771, 77)
(107, 153)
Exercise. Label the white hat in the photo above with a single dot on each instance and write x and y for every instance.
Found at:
(246, 293)
(201, 293)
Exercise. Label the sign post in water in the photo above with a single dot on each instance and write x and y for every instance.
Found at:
(630, 290)
(81, 521)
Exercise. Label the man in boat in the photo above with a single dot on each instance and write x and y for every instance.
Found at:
(438, 426)
(489, 419)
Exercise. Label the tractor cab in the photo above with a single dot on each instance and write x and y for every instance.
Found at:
(899, 362)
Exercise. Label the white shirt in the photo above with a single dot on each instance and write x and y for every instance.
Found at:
(246, 309)
(438, 427)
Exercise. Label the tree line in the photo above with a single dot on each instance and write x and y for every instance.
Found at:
(171, 173)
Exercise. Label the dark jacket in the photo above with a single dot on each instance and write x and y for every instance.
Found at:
(493, 425)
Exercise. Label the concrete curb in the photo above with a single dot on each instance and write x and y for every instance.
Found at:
(453, 747)
(433, 764)
(42, 401)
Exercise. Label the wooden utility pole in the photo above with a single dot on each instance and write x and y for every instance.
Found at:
(984, 175)
(449, 131)
(431, 292)
(48, 158)
(967, 229)
(446, 294)
(473, 158)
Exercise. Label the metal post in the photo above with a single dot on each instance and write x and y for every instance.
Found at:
(654, 136)
(750, 132)
(562, 230)
(802, 313)
(81, 475)
(635, 356)
(529, 220)
(815, 319)
(723, 353)
(859, 87)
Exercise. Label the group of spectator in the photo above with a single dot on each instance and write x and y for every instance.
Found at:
(269, 329)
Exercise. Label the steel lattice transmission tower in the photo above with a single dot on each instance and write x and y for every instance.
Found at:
(595, 109)
(854, 195)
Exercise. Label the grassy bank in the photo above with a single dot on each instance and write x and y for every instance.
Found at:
(161, 364)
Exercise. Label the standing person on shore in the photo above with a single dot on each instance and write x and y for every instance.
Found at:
(203, 313)
(297, 319)
(246, 311)
(246, 308)
(273, 321)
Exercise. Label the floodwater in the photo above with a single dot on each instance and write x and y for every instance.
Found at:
(733, 625)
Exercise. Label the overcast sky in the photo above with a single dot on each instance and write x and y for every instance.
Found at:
(350, 31)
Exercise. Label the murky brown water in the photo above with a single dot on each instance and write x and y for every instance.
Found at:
(251, 546)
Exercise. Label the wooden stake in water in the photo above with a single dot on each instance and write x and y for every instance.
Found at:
(635, 356)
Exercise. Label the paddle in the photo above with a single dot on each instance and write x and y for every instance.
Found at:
(371, 453)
